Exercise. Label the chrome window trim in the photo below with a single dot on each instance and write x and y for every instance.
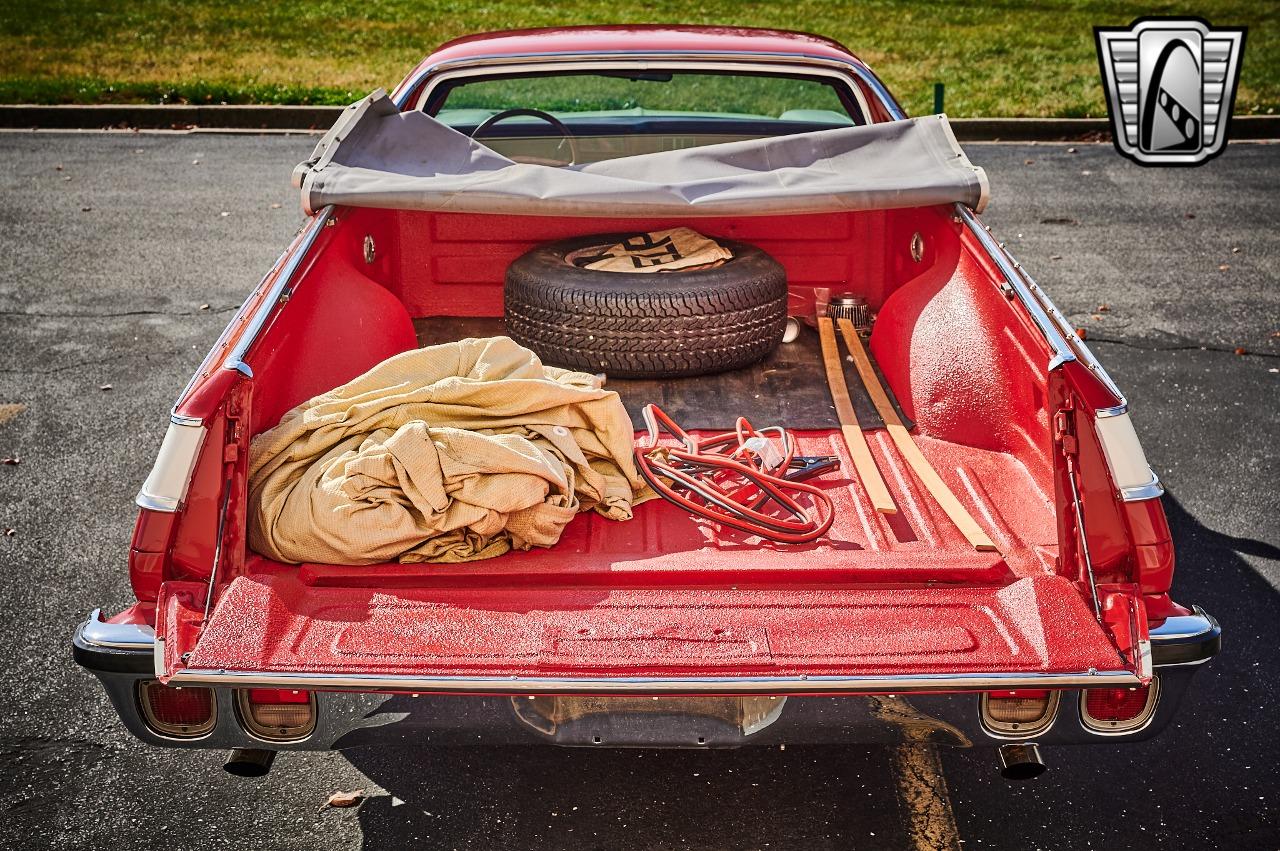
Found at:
(116, 636)
(999, 729)
(1123, 728)
(862, 72)
(516, 685)
(625, 61)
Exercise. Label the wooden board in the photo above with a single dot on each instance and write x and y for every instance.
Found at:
(902, 439)
(853, 436)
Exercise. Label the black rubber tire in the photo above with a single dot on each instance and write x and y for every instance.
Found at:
(661, 325)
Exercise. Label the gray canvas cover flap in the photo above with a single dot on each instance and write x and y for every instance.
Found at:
(377, 156)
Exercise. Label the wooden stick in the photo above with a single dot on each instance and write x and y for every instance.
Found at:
(902, 439)
(854, 440)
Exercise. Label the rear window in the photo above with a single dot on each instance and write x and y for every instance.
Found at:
(613, 114)
(673, 94)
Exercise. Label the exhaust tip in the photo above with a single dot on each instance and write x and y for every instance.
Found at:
(249, 762)
(1021, 762)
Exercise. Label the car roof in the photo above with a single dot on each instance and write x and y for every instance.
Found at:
(635, 38)
(640, 38)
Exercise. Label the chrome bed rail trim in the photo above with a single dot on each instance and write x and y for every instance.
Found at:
(1062, 352)
(290, 259)
(117, 636)
(651, 685)
(1085, 354)
(235, 358)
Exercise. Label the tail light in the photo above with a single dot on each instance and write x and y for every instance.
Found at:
(183, 713)
(1119, 710)
(278, 714)
(1019, 714)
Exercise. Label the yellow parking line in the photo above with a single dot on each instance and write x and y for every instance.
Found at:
(931, 826)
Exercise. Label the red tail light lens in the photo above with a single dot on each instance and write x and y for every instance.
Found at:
(1019, 714)
(278, 714)
(268, 696)
(177, 712)
(1116, 710)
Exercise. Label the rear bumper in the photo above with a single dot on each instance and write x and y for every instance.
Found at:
(122, 656)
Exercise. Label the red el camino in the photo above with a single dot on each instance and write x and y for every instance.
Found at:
(991, 563)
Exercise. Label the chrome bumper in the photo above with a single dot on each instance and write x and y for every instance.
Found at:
(122, 655)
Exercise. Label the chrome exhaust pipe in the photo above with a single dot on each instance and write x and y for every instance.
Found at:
(1021, 762)
(249, 762)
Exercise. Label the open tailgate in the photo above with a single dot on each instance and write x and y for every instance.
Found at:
(291, 627)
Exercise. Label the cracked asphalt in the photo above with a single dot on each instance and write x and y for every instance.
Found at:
(123, 256)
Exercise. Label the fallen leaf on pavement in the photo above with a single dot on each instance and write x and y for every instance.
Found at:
(11, 462)
(1055, 256)
(1188, 215)
(1104, 307)
(1082, 333)
(1224, 267)
(1027, 162)
(9, 410)
(275, 206)
(1097, 317)
(9, 533)
(105, 387)
(341, 800)
(1235, 249)
(204, 307)
(1241, 350)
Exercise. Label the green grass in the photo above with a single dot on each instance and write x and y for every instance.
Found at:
(996, 58)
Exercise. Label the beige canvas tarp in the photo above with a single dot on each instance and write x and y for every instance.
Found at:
(449, 453)
(376, 156)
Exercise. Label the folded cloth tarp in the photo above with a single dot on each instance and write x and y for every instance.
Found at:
(377, 156)
(450, 453)
(667, 250)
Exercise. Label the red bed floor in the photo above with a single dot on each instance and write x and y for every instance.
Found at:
(663, 544)
(666, 595)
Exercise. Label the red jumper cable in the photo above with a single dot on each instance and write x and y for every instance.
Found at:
(739, 479)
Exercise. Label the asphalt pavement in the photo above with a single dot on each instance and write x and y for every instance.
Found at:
(123, 255)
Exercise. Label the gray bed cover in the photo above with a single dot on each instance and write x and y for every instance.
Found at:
(377, 156)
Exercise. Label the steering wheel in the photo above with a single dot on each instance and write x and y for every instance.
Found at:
(532, 113)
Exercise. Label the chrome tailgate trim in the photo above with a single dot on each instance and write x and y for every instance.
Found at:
(654, 685)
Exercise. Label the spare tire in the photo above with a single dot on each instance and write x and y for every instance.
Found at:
(659, 325)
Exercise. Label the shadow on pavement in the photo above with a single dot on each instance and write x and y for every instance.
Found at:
(559, 798)
(1208, 781)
